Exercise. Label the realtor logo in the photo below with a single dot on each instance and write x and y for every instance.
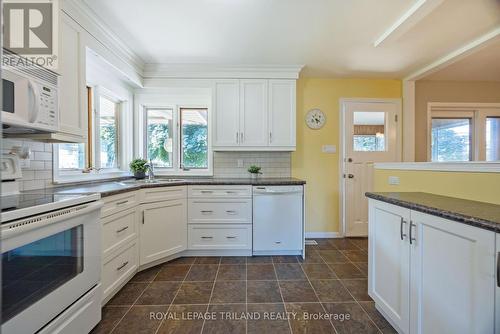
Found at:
(30, 30)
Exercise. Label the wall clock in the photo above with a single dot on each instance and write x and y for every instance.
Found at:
(315, 119)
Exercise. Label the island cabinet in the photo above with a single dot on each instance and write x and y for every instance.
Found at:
(428, 274)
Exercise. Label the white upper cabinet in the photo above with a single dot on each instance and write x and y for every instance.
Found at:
(255, 114)
(227, 116)
(282, 113)
(72, 85)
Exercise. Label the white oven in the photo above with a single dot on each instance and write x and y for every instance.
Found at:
(30, 103)
(51, 261)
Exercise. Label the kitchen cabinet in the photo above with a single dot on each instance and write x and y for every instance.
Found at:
(254, 114)
(163, 229)
(72, 82)
(428, 274)
(282, 113)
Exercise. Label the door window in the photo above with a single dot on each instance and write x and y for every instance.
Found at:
(369, 131)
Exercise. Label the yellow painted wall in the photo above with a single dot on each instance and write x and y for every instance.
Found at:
(321, 170)
(483, 187)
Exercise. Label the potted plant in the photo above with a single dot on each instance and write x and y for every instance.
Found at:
(139, 167)
(254, 171)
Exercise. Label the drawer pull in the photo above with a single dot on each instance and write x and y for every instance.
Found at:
(122, 202)
(206, 191)
(122, 229)
(231, 212)
(277, 242)
(207, 237)
(206, 211)
(231, 237)
(124, 264)
(231, 192)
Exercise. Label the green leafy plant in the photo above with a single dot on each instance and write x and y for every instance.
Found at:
(138, 165)
(254, 169)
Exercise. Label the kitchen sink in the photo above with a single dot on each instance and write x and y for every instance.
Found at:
(146, 181)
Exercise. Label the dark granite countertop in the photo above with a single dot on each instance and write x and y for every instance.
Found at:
(109, 188)
(479, 214)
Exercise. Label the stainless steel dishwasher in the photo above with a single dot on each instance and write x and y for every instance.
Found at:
(278, 227)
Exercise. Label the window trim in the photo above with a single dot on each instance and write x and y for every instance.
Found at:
(176, 170)
(478, 112)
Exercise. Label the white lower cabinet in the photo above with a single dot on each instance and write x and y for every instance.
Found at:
(163, 229)
(430, 275)
(220, 236)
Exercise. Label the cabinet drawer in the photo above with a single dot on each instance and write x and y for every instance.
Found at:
(149, 195)
(219, 191)
(118, 269)
(220, 236)
(117, 203)
(220, 211)
(118, 229)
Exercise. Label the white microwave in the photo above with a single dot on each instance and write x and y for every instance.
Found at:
(30, 103)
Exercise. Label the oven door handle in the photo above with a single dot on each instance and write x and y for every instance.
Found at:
(25, 225)
(33, 101)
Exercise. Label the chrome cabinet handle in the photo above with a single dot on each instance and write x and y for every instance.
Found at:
(498, 269)
(231, 212)
(270, 137)
(122, 202)
(206, 211)
(411, 232)
(403, 235)
(122, 229)
(228, 237)
(237, 138)
(206, 191)
(242, 137)
(124, 264)
(231, 192)
(207, 237)
(277, 242)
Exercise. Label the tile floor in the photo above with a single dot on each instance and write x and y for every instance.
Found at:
(325, 293)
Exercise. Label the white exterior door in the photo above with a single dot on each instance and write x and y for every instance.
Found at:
(227, 120)
(253, 113)
(371, 134)
(163, 230)
(389, 262)
(452, 275)
(282, 113)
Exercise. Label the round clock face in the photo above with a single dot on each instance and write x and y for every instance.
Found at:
(315, 119)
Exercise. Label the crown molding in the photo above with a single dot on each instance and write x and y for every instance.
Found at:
(468, 166)
(79, 11)
(214, 71)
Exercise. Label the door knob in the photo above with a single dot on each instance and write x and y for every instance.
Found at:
(351, 176)
(349, 160)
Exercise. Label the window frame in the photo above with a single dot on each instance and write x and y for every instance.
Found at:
(477, 112)
(176, 169)
(91, 159)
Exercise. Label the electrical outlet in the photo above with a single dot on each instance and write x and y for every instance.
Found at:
(393, 180)
(240, 162)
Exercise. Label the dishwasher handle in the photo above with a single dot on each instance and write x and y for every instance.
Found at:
(277, 190)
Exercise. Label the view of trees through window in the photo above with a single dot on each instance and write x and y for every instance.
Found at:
(159, 124)
(369, 143)
(71, 156)
(107, 132)
(194, 138)
(451, 139)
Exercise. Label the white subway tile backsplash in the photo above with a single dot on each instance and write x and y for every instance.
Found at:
(39, 173)
(274, 164)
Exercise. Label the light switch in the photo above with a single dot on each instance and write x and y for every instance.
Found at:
(329, 149)
(394, 180)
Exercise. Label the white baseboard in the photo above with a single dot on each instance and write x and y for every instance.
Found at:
(321, 235)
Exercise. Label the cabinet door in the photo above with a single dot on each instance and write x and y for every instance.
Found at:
(389, 261)
(253, 113)
(227, 109)
(72, 86)
(282, 113)
(163, 230)
(452, 277)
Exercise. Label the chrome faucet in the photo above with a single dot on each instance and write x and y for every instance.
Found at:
(151, 171)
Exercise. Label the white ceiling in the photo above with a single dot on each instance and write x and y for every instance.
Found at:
(329, 37)
(483, 65)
